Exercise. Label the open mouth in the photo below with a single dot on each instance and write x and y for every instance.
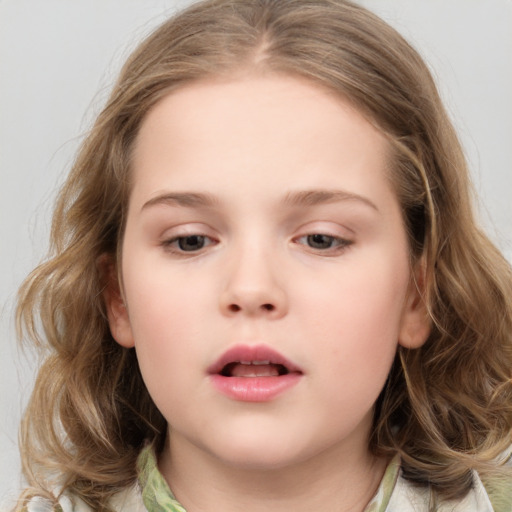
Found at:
(253, 369)
(253, 361)
(253, 373)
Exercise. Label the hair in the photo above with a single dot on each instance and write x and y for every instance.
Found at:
(446, 407)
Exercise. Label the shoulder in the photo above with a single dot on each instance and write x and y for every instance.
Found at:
(64, 504)
(491, 497)
(127, 500)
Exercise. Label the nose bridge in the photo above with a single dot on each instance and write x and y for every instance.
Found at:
(254, 283)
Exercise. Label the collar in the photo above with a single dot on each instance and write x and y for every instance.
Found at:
(394, 492)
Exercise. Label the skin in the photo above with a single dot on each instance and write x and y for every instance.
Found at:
(257, 146)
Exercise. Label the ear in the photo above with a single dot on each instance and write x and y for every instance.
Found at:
(415, 324)
(117, 313)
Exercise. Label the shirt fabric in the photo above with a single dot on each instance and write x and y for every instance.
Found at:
(395, 494)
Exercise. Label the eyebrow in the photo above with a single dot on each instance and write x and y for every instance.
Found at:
(316, 197)
(303, 198)
(185, 199)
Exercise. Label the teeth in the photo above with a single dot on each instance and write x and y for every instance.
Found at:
(256, 363)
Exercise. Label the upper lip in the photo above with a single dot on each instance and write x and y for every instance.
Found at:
(252, 353)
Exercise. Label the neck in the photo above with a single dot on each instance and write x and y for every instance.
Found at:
(341, 480)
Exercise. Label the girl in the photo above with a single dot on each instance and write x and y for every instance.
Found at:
(267, 288)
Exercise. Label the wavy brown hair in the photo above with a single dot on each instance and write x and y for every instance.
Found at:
(446, 407)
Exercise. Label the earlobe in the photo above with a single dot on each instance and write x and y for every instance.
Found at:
(416, 323)
(117, 313)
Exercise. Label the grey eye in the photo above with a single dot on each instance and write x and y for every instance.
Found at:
(319, 241)
(191, 243)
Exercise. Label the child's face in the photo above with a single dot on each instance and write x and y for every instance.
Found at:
(262, 227)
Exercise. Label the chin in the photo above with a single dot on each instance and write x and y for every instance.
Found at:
(257, 461)
(258, 453)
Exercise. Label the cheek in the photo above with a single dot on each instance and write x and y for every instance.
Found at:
(162, 297)
(362, 303)
(356, 319)
(163, 311)
(164, 336)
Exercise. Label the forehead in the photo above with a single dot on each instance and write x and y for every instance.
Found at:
(276, 128)
(250, 99)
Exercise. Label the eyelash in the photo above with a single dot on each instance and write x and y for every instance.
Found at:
(175, 244)
(335, 244)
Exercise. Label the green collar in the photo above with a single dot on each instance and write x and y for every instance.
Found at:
(158, 497)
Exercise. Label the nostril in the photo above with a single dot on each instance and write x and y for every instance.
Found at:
(235, 308)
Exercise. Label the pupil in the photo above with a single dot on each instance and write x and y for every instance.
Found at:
(319, 241)
(191, 243)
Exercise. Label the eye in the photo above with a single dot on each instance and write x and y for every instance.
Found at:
(188, 243)
(323, 242)
(319, 241)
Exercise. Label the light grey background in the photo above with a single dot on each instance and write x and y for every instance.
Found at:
(57, 62)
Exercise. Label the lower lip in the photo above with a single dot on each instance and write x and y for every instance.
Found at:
(254, 389)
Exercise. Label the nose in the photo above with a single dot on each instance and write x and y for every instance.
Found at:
(254, 287)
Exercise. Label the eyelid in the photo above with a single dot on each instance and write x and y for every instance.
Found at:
(186, 229)
(328, 229)
(169, 239)
(340, 242)
(171, 246)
